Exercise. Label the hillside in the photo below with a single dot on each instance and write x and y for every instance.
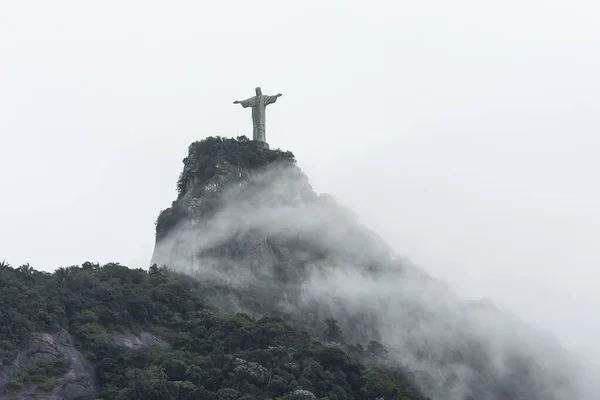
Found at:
(249, 227)
(261, 288)
(111, 332)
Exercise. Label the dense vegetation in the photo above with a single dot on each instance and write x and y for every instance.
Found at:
(200, 163)
(210, 356)
(44, 373)
(205, 154)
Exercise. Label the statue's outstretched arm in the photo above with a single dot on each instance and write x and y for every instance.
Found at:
(246, 103)
(272, 99)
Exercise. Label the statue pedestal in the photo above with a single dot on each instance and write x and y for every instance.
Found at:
(263, 145)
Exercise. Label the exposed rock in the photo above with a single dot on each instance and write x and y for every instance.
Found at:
(47, 347)
(78, 380)
(134, 342)
(224, 173)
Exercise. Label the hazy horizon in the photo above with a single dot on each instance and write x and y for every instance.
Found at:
(465, 134)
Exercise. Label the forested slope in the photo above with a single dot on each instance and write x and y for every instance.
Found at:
(198, 354)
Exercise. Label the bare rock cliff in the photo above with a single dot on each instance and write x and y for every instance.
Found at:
(74, 374)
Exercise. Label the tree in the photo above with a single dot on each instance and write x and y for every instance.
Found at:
(333, 332)
(25, 269)
(62, 275)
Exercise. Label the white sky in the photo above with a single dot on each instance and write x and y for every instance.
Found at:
(464, 132)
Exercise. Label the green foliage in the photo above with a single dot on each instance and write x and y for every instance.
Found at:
(204, 156)
(13, 387)
(333, 332)
(29, 304)
(210, 356)
(169, 218)
(44, 373)
(389, 384)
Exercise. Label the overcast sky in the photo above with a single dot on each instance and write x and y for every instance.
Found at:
(464, 132)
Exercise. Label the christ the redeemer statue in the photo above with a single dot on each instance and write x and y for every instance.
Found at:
(258, 104)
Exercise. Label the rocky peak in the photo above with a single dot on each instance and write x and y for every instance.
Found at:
(250, 228)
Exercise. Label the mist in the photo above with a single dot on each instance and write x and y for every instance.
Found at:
(464, 133)
(453, 348)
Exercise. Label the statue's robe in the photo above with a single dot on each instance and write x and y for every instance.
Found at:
(258, 104)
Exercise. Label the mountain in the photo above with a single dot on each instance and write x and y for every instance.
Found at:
(261, 288)
(249, 227)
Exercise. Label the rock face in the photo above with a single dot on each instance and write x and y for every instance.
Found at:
(264, 231)
(228, 217)
(47, 348)
(72, 375)
(202, 190)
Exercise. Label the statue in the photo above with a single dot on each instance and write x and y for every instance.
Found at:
(258, 104)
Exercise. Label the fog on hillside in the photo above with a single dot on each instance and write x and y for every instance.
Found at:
(453, 349)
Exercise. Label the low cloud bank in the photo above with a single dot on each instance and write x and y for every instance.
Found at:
(274, 225)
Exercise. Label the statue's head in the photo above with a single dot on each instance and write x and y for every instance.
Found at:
(258, 91)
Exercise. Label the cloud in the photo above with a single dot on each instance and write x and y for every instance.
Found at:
(277, 246)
